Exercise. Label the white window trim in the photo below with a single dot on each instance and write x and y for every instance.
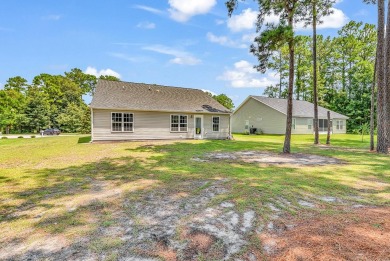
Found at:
(123, 125)
(170, 123)
(219, 123)
(310, 123)
(245, 128)
(339, 124)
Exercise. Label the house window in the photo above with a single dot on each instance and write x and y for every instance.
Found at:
(293, 123)
(179, 123)
(122, 122)
(215, 123)
(339, 125)
(322, 125)
(247, 125)
(309, 124)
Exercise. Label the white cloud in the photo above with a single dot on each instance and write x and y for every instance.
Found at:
(93, 71)
(244, 21)
(213, 93)
(225, 41)
(183, 10)
(180, 57)
(272, 19)
(146, 25)
(247, 20)
(249, 38)
(248, 17)
(245, 76)
(52, 17)
(335, 20)
(148, 9)
(185, 60)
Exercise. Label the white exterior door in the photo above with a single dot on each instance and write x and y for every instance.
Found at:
(198, 123)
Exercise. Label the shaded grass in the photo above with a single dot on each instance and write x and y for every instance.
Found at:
(48, 176)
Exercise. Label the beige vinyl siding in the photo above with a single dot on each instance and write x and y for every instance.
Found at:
(152, 125)
(335, 130)
(260, 116)
(147, 125)
(223, 132)
(301, 126)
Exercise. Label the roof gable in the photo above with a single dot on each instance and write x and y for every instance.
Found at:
(152, 97)
(302, 109)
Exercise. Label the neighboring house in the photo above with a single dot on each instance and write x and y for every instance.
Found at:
(138, 111)
(270, 114)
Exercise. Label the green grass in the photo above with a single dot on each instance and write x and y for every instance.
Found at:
(55, 174)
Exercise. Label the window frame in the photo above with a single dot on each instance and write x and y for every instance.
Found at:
(178, 123)
(339, 124)
(123, 122)
(219, 123)
(310, 123)
(246, 127)
(294, 123)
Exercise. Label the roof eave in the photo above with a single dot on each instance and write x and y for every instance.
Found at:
(175, 111)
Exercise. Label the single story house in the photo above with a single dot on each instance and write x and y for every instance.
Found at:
(138, 111)
(269, 115)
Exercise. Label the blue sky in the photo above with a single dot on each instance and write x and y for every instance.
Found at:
(185, 43)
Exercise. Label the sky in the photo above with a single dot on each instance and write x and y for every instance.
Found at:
(183, 43)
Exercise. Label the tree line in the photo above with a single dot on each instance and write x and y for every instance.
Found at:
(48, 101)
(54, 101)
(344, 72)
(351, 76)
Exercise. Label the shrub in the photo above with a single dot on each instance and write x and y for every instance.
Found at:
(4, 138)
(20, 137)
(33, 136)
(259, 131)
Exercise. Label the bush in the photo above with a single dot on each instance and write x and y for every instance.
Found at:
(259, 132)
(20, 137)
(33, 136)
(4, 138)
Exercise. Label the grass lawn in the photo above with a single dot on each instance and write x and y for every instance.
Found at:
(62, 196)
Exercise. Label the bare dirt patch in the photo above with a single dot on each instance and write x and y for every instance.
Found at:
(271, 158)
(178, 222)
(212, 232)
(361, 234)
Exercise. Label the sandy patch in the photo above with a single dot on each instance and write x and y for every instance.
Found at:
(270, 158)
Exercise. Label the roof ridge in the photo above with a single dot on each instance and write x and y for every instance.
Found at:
(152, 84)
(276, 104)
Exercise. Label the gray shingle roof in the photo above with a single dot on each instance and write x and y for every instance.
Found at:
(300, 108)
(152, 97)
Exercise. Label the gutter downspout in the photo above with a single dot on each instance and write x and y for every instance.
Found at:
(91, 124)
(230, 127)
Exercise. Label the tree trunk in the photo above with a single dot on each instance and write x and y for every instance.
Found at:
(315, 99)
(381, 118)
(386, 88)
(287, 139)
(328, 136)
(280, 73)
(372, 112)
(298, 79)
